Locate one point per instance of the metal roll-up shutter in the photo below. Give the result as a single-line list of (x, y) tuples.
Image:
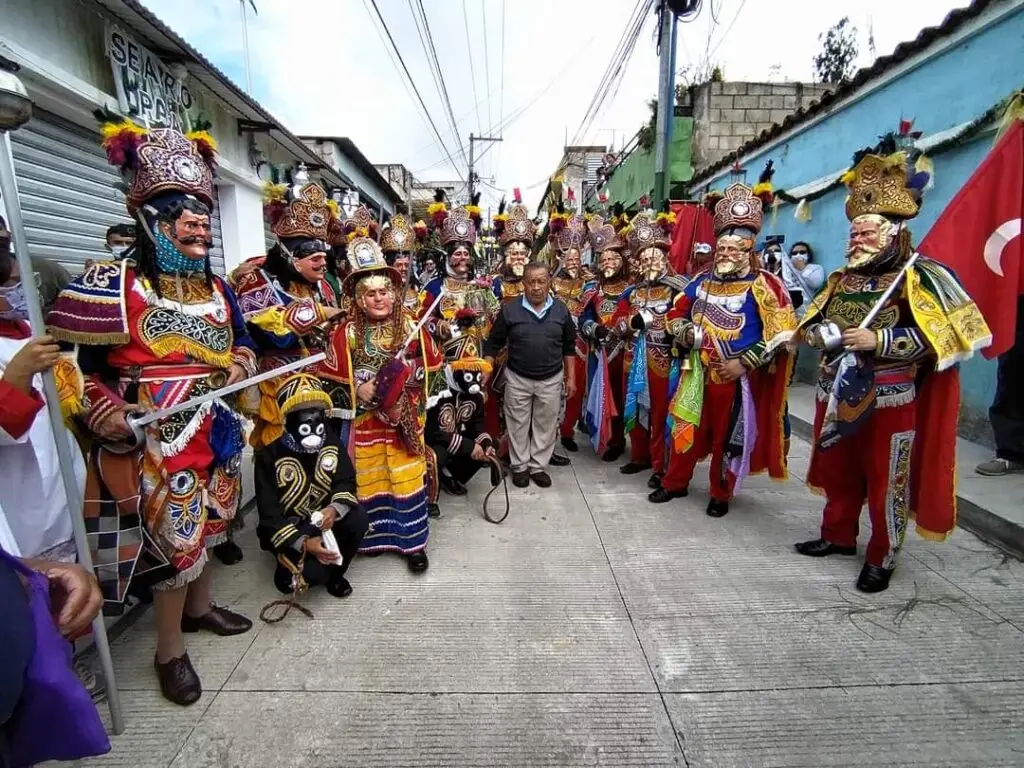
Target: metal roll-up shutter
[(217, 251), (66, 186), (268, 235)]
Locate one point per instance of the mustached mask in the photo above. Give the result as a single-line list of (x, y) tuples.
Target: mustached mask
[(307, 427)]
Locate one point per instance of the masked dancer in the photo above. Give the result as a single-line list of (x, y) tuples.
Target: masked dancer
[(156, 330), (400, 241), (892, 331)]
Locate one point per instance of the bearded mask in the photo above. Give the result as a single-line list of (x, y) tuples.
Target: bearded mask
[(732, 256), (653, 263), (610, 264), (571, 263), (307, 427), (517, 255), (870, 236)]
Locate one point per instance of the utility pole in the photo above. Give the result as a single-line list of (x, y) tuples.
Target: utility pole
[(472, 160), (666, 101)]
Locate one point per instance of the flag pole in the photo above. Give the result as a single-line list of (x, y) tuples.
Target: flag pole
[(61, 436)]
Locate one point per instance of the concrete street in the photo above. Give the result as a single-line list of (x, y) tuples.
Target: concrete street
[(593, 628)]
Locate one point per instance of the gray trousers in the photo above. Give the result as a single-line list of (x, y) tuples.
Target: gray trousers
[(531, 417)]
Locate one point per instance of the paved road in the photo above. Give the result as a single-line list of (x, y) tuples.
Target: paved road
[(595, 629)]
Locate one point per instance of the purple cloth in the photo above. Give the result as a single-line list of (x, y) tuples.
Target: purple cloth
[(54, 719), (739, 466)]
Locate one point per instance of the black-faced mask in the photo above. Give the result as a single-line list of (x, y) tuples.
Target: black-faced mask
[(307, 427), (470, 382)]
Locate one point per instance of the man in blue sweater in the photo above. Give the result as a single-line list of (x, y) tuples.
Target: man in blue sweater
[(541, 337)]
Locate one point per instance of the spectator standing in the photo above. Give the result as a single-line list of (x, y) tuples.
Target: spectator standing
[(541, 339), (51, 277)]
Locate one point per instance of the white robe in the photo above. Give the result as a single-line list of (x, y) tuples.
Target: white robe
[(34, 515)]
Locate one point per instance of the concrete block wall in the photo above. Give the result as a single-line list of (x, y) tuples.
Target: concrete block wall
[(728, 115)]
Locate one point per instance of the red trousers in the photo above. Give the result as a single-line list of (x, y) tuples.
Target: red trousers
[(574, 405), (617, 378), (711, 437), (871, 465), (648, 445)]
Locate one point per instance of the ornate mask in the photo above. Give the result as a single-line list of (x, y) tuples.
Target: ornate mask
[(870, 235), (653, 263), (307, 427), (732, 256), (517, 255), (375, 295), (610, 263), (571, 263)]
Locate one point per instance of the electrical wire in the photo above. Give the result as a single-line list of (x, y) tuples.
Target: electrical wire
[(472, 69), (487, 61), (435, 71), (412, 82), (440, 74), (727, 30)]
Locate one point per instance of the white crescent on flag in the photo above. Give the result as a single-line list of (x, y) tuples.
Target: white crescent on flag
[(997, 241)]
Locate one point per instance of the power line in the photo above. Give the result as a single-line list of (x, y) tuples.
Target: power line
[(412, 82), (472, 69), (501, 90), (727, 30), (440, 75), (487, 61)]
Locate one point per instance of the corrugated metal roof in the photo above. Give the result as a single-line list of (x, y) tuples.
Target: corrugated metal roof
[(925, 38)]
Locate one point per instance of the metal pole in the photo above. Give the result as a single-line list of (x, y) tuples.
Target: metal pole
[(61, 436), (666, 100), (472, 145), (245, 48)]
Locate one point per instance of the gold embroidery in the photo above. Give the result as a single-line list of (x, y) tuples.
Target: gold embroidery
[(850, 313), (193, 289), (778, 320)]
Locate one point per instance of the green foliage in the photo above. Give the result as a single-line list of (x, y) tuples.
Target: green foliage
[(839, 49), (647, 137)]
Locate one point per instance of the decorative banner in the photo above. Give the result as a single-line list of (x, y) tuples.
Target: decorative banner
[(148, 90)]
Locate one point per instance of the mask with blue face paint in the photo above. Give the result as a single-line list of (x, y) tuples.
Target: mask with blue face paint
[(172, 261)]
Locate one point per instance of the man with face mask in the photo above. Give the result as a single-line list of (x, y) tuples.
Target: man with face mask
[(380, 390), (154, 332), (735, 320), (597, 323), (286, 301), (641, 316), (51, 277), (305, 488), (120, 238), (567, 285), (701, 259), (400, 241), (888, 393)]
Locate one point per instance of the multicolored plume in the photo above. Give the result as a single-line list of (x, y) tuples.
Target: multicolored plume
[(473, 209), (764, 189), (666, 218), (437, 210), (122, 138), (499, 219)]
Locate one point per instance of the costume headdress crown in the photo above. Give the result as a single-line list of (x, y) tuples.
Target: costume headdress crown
[(301, 390), (882, 181), (573, 234), (604, 236), (300, 211), (519, 227), (643, 233), (366, 259), (399, 236), (469, 363), (739, 208), (458, 227), (362, 223), (157, 161)]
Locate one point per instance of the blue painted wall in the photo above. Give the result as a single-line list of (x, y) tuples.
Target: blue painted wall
[(946, 91)]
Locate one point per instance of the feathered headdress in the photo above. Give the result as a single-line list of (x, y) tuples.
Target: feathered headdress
[(764, 189), (473, 209), (437, 210), (666, 218), (888, 179), (498, 222), (619, 218), (557, 220), (157, 161)]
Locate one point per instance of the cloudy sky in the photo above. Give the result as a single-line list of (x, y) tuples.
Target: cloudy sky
[(523, 69)]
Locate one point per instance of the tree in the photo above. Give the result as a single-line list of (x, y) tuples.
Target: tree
[(647, 137), (839, 49)]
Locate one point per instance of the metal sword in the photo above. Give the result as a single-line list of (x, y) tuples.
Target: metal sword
[(137, 422)]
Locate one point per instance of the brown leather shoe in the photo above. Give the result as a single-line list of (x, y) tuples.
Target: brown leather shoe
[(218, 620), (179, 682)]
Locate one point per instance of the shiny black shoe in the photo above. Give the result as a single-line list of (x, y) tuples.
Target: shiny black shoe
[(655, 480), (569, 444), (219, 621), (283, 580), (451, 485), (873, 578), (823, 548), (228, 552), (661, 496), (338, 586), (418, 562), (634, 468), (521, 479), (612, 454), (433, 510), (559, 461), (179, 682), (541, 479), (718, 508)]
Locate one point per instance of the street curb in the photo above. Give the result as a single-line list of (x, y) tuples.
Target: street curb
[(987, 526)]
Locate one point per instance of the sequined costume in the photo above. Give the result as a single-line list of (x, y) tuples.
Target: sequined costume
[(597, 324), (286, 313), (156, 331), (642, 313), (384, 435), (886, 419), (742, 314)]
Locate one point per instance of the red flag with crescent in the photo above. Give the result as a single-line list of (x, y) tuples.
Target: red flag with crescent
[(979, 237)]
